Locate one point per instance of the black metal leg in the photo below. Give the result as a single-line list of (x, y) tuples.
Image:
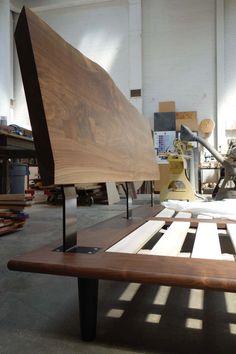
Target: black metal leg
[(69, 217), (129, 201), (88, 297), (152, 193)]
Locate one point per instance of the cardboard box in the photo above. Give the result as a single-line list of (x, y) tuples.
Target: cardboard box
[(168, 106), (187, 118)]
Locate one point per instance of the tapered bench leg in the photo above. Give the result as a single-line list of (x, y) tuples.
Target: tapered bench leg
[(88, 297)]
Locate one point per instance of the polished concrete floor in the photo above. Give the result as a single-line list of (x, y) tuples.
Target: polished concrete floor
[(39, 313)]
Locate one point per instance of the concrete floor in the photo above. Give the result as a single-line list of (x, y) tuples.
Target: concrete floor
[(39, 313)]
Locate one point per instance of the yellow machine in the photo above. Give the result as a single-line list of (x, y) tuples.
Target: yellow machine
[(178, 185)]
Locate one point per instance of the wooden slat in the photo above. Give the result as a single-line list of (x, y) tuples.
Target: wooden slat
[(143, 251), (228, 257), (231, 228), (207, 243), (84, 128), (165, 213), (137, 239), (184, 254), (194, 222), (172, 241), (183, 215)]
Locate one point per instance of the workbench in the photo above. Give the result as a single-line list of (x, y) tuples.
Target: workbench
[(13, 146)]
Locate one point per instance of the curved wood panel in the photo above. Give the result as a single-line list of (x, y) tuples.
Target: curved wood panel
[(85, 130)]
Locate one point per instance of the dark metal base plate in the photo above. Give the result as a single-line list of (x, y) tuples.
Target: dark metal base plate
[(78, 249)]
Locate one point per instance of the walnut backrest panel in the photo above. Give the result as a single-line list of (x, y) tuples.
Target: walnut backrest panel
[(84, 128)]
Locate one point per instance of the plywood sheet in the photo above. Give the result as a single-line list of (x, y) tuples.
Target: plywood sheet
[(84, 129), (187, 118)]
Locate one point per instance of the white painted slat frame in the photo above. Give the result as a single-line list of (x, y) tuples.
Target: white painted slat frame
[(172, 241), (207, 243)]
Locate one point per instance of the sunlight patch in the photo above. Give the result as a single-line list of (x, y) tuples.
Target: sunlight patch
[(162, 295), (153, 318), (193, 323), (115, 313), (129, 292), (196, 299)]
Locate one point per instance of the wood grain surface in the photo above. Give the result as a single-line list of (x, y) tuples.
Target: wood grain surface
[(84, 128), (165, 270)]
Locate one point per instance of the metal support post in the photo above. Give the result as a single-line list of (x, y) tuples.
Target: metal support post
[(152, 193), (69, 217), (69, 196), (129, 201)]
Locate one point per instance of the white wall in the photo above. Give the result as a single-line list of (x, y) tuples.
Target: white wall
[(230, 64), (179, 55), (100, 31), (5, 80), (178, 50)]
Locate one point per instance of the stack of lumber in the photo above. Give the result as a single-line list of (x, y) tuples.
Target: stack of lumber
[(12, 214)]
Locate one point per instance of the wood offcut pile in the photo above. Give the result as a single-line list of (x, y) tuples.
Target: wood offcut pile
[(12, 214)]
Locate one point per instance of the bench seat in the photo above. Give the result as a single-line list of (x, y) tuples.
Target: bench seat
[(142, 268)]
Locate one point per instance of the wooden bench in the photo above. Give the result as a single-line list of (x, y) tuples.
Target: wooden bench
[(85, 131)]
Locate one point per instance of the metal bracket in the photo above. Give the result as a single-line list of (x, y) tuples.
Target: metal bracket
[(69, 217), (69, 197), (78, 249), (152, 193), (129, 200)]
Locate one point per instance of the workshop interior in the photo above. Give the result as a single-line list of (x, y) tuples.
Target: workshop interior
[(118, 176)]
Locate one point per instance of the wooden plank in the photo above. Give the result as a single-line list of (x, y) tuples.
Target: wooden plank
[(165, 213), (172, 241), (187, 118), (184, 254), (112, 193), (228, 257), (137, 239), (143, 251), (183, 215), (221, 223), (207, 243), (12, 197), (231, 228), (84, 129)]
